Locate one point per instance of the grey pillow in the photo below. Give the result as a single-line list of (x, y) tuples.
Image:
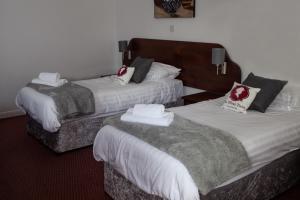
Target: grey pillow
[(269, 90), (141, 68)]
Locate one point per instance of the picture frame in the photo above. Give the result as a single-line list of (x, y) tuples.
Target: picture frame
[(174, 8)]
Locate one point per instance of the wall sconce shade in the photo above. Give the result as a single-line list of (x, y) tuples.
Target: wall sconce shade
[(218, 59), (123, 45), (218, 56)]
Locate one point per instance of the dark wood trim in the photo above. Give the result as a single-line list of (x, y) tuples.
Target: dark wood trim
[(203, 96), (194, 58)]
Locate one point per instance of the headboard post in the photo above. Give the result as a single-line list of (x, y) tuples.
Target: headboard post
[(194, 58)]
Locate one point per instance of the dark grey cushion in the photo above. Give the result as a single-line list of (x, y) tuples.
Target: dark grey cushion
[(269, 90), (141, 68)]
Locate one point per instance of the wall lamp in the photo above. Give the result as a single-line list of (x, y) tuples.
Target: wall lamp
[(218, 59), (123, 47)]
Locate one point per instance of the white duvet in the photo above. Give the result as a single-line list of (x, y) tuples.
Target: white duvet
[(110, 97), (265, 136)]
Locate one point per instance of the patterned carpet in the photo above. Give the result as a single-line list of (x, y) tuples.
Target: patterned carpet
[(30, 171)]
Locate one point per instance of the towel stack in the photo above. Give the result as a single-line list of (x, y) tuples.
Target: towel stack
[(153, 114), (51, 79)]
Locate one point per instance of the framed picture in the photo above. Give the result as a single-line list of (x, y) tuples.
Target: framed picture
[(174, 8)]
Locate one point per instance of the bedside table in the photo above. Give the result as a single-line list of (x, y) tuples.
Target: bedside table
[(202, 96)]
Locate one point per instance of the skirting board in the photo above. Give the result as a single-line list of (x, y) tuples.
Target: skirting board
[(11, 113)]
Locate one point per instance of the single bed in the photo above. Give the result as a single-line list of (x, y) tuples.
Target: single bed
[(110, 98)]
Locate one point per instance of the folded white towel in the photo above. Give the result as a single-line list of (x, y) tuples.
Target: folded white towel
[(56, 84), (149, 110), (49, 77), (166, 120)]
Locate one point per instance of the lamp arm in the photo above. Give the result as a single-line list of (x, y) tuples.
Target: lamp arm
[(224, 68)]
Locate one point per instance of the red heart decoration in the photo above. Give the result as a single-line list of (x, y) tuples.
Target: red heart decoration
[(122, 70), (239, 93)]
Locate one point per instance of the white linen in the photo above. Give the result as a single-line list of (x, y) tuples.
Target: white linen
[(165, 120), (40, 107), (53, 84), (265, 137), (170, 179), (110, 98), (160, 70), (125, 78), (148, 110), (49, 77), (287, 100), (190, 90)]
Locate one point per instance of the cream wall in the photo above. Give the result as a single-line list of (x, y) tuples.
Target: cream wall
[(79, 38), (261, 36), (73, 37)]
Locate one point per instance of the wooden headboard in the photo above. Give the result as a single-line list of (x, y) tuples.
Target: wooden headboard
[(194, 58)]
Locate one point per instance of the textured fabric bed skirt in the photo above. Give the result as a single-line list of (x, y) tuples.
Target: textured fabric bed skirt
[(73, 133), (263, 184)]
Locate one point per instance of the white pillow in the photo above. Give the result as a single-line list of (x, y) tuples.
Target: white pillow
[(159, 71), (287, 100), (169, 68), (124, 74), (173, 76), (240, 98)]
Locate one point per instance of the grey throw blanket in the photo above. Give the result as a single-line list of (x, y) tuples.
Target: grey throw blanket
[(211, 156), (70, 99)]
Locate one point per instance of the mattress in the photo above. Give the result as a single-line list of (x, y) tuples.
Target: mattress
[(265, 137), (110, 98)]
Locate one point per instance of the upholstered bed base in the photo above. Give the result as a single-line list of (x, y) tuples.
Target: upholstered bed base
[(263, 184), (73, 133)]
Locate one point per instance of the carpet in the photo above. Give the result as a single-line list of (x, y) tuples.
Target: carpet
[(31, 171)]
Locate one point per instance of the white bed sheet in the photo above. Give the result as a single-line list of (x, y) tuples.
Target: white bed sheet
[(264, 136), (110, 98)]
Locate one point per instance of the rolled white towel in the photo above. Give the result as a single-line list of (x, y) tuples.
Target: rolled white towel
[(149, 110), (166, 120), (49, 77), (56, 84)]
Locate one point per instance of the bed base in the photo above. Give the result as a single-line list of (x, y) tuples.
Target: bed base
[(73, 133), (263, 184)]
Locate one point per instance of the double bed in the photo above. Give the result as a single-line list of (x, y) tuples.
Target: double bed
[(110, 98), (137, 169), (270, 139)]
